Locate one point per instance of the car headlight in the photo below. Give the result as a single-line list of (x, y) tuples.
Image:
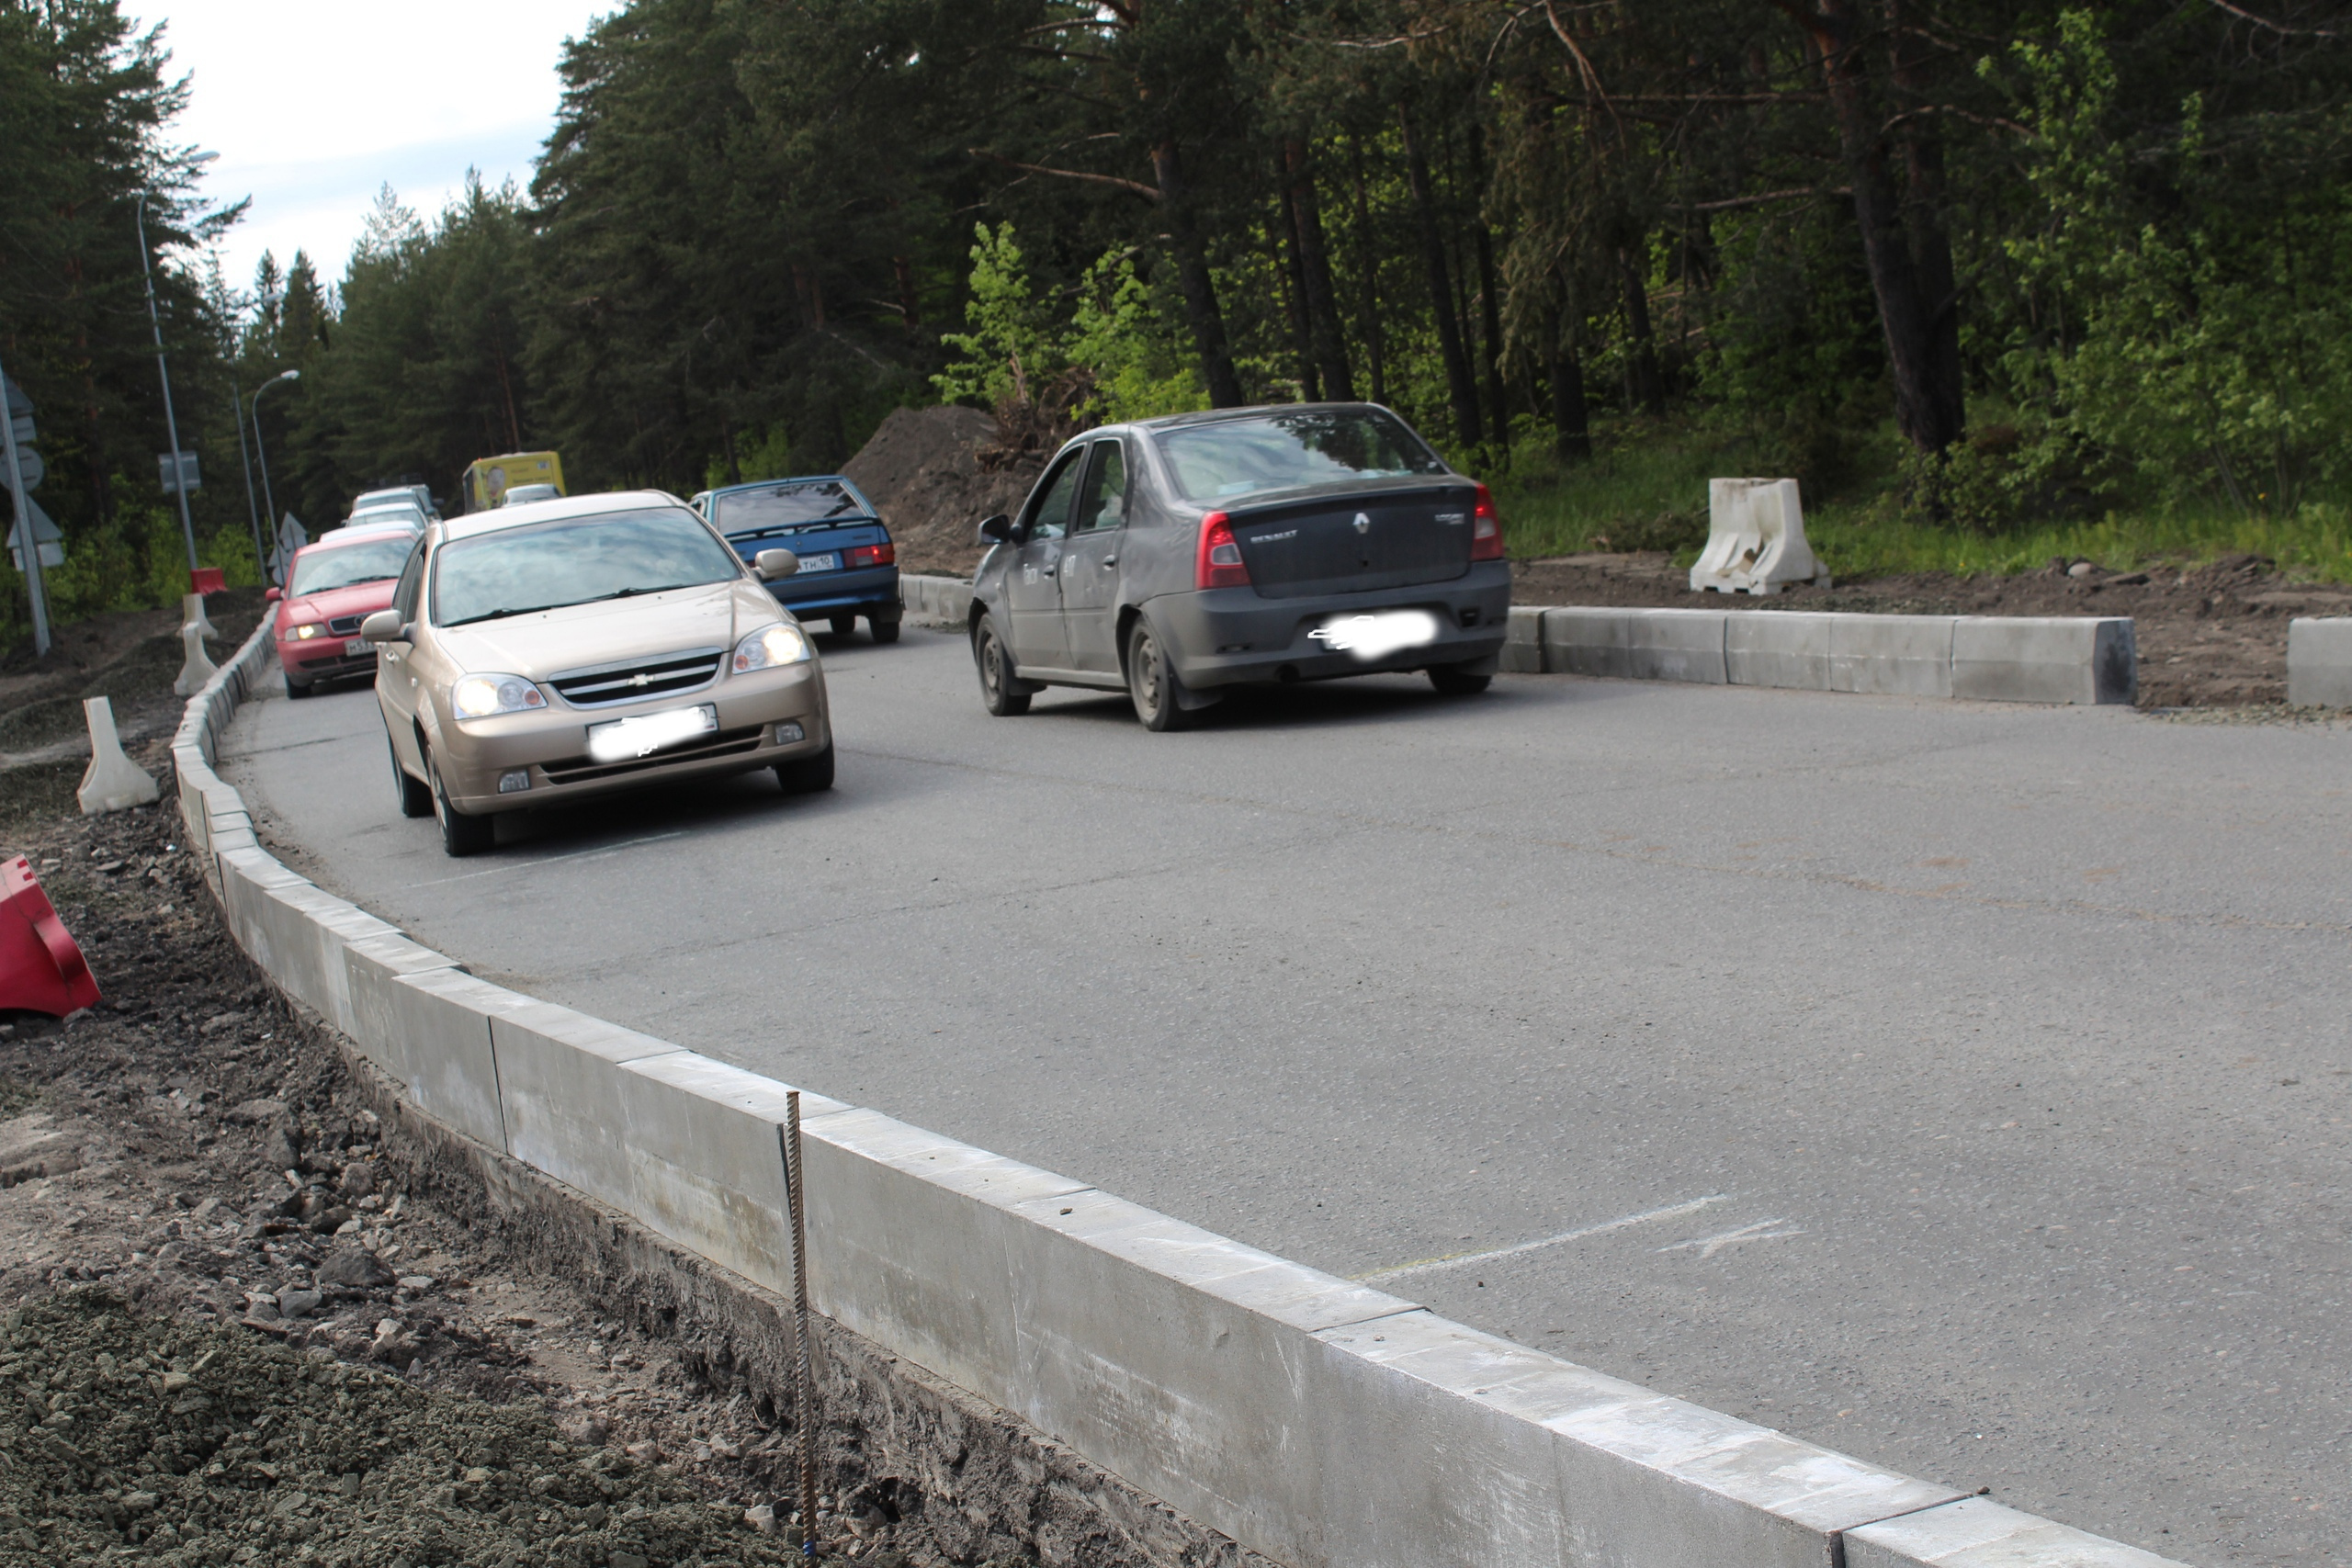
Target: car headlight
[(313, 629), (479, 696), (781, 643)]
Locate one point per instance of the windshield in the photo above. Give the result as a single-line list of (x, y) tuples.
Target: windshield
[(573, 562), (786, 505), (387, 517), (1288, 451), (315, 571)]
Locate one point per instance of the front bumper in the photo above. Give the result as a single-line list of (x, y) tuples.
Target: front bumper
[(308, 660), (551, 744), (873, 590), (1225, 637)]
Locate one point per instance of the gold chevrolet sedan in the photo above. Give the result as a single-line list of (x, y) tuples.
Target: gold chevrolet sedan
[(551, 651)]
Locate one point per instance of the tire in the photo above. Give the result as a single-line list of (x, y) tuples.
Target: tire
[(884, 631), (298, 689), (807, 775), (416, 797), (460, 835), (996, 672), (1152, 684), (843, 626), (1453, 680)]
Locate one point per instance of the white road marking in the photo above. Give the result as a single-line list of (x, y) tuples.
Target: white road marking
[(1671, 1211), (1709, 1245), (548, 860)]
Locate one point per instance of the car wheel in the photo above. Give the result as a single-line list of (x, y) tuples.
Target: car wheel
[(460, 835), (884, 631), (297, 688), (1454, 681), (1152, 684), (843, 626), (416, 798), (807, 775), (996, 673)]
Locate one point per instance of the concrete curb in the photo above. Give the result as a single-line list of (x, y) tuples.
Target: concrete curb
[(1321, 1421), (2318, 661), (936, 601), (2012, 659)]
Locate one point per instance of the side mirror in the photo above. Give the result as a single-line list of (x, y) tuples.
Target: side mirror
[(773, 564), (273, 596), (384, 625), (996, 530)]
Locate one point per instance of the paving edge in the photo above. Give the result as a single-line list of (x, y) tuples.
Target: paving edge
[(1317, 1421)]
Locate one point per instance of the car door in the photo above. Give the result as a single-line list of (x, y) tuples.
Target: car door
[(396, 687), (1033, 594), (1090, 560)]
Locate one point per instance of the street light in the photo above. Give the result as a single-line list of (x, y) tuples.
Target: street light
[(171, 422), (262, 451)]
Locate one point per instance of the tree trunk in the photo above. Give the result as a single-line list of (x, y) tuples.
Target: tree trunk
[(1643, 384), (909, 306), (1315, 269), (1571, 426), (1375, 345), (1490, 309), (1462, 388), (1194, 281), (1930, 242), (1293, 291), (1927, 407)]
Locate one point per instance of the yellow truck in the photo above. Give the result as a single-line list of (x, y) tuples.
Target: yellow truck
[(487, 479)]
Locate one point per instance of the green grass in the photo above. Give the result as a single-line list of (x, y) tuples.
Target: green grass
[(1647, 488)]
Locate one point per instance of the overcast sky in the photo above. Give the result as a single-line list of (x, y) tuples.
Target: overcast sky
[(314, 105)]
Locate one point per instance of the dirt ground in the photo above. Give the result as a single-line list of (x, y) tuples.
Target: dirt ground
[(231, 1336), (933, 474), (2209, 636)]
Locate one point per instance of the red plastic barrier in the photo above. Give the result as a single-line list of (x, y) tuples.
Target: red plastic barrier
[(206, 580), (41, 969)]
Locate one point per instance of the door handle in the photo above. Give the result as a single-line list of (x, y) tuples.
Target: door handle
[(1110, 561), (1046, 570)]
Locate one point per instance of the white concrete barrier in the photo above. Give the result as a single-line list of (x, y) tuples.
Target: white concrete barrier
[(1987, 657), (1756, 541), (2318, 661), (939, 600), (1321, 1421)]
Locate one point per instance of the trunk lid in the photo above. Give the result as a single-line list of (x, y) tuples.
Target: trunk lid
[(1357, 540)]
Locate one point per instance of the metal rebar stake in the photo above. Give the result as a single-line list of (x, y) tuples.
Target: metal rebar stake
[(804, 1374)]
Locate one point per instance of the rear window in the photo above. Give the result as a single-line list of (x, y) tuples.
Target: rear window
[(574, 562), (790, 504), (1291, 451), (317, 571)]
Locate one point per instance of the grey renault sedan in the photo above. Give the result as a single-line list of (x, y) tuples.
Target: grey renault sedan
[(1174, 558)]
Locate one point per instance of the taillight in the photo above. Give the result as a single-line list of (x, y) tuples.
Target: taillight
[(884, 554), (1219, 564), (1487, 529)]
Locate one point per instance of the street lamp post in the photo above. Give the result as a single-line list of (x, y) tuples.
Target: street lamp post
[(244, 457), (261, 448), (171, 422)]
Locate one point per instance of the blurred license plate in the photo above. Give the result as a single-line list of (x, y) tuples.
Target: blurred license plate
[(826, 562), (356, 647), (650, 732), (1379, 635)]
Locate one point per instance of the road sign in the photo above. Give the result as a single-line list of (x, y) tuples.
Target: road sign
[(290, 537), (52, 543), (187, 473), (28, 463)]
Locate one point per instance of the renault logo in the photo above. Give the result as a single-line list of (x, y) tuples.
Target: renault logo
[(1363, 523)]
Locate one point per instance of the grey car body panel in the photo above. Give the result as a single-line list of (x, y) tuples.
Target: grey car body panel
[(1153, 571)]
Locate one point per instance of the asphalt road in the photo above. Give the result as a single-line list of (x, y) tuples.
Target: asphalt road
[(1965, 1086)]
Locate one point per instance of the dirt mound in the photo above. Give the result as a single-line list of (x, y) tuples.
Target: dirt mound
[(2209, 634), (197, 1444), (923, 470)]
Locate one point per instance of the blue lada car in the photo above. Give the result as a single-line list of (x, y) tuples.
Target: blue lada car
[(848, 566)]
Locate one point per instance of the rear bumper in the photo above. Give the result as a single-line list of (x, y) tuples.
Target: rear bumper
[(873, 591), (1224, 636)]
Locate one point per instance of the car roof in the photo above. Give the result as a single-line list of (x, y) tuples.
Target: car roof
[(786, 479), (336, 538), (561, 507), (1216, 416)]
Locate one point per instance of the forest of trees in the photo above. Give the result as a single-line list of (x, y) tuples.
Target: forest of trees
[(2058, 256)]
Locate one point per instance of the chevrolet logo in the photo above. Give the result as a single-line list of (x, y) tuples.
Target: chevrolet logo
[(640, 679)]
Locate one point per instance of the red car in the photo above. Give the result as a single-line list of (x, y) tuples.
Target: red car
[(335, 584)]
